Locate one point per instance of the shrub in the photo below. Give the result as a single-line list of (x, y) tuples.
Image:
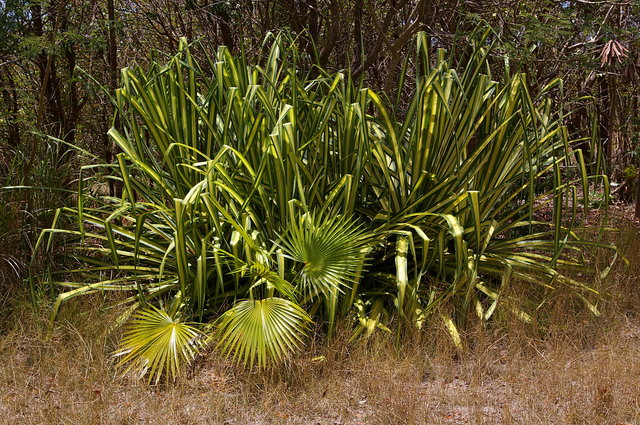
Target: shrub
[(260, 199)]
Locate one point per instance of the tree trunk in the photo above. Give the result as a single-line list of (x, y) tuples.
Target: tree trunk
[(357, 33), (10, 95), (115, 189), (636, 128), (226, 29), (113, 73), (605, 125)]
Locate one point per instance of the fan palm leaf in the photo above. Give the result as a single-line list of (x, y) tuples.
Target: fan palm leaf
[(158, 345), (256, 331), (329, 249)]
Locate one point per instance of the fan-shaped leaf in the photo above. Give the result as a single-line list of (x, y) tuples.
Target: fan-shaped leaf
[(158, 345), (256, 331), (329, 249)]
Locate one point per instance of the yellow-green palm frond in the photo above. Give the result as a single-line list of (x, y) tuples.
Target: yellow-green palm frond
[(158, 345), (258, 331)]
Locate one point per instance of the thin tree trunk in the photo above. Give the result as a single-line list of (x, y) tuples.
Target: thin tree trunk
[(113, 72), (10, 95), (226, 29), (357, 33), (635, 112), (605, 127), (110, 146)]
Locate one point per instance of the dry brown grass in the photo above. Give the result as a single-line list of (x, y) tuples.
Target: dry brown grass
[(575, 369)]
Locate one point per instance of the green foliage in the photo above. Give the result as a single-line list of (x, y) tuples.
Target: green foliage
[(258, 330), (330, 251), (630, 173), (27, 205), (157, 344), (12, 14), (310, 198)]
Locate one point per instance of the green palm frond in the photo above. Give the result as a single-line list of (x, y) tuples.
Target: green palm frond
[(329, 249), (258, 331), (158, 345)]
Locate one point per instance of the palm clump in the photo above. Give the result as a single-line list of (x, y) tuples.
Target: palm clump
[(259, 200)]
